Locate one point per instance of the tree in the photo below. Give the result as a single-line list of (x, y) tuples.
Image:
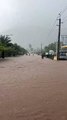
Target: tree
[(9, 49), (5, 40), (51, 46)]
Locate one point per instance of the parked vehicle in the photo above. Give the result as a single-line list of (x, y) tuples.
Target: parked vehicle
[(63, 52)]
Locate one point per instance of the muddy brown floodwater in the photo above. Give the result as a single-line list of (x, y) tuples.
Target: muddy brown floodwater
[(33, 89)]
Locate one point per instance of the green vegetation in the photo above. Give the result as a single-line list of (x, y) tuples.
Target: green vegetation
[(46, 49), (51, 46), (49, 51), (8, 49)]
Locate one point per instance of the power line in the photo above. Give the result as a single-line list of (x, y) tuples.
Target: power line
[(65, 21), (60, 14), (57, 18), (63, 11), (64, 17), (52, 29)]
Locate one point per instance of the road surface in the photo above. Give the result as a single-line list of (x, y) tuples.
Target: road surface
[(33, 89)]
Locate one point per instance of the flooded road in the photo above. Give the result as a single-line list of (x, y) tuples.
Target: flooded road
[(33, 89)]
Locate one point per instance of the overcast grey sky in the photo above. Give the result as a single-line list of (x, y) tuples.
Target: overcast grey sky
[(30, 21)]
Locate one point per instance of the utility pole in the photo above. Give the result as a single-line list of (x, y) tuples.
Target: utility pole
[(59, 31), (41, 48)]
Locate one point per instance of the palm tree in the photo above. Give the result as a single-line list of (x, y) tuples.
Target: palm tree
[(9, 49), (5, 40)]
